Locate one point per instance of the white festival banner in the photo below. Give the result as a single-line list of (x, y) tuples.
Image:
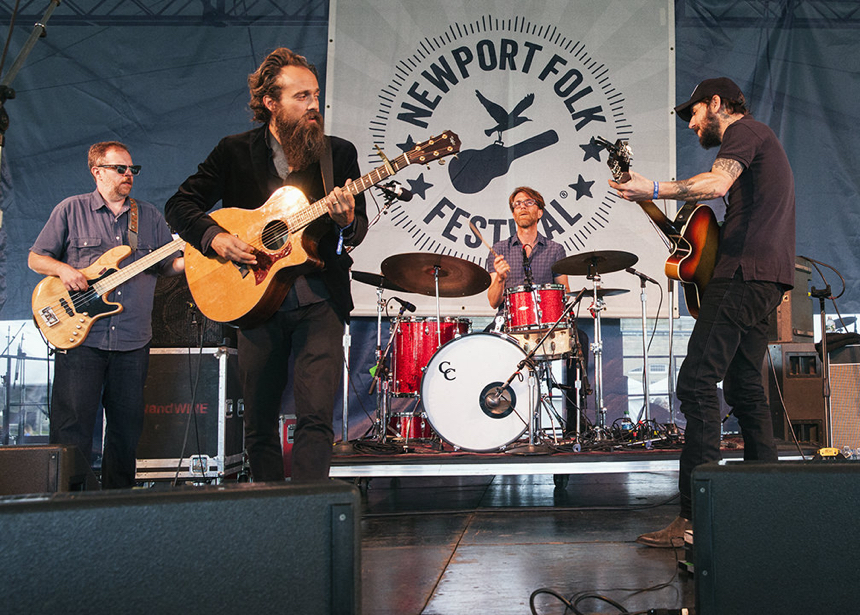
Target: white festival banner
[(527, 86)]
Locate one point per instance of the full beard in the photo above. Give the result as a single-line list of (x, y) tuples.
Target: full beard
[(303, 141), (710, 136)]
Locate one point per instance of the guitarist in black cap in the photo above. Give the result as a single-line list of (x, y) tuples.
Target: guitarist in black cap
[(754, 267)]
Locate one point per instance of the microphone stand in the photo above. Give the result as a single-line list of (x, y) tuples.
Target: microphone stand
[(6, 92), (380, 373), (821, 295), (345, 447), (671, 427), (646, 378)]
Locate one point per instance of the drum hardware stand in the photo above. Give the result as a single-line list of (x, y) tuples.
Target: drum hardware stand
[(646, 376), (345, 447), (600, 430), (380, 373), (533, 448)]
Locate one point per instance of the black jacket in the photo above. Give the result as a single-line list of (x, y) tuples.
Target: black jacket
[(237, 173)]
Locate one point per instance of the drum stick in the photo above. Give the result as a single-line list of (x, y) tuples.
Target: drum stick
[(481, 237)]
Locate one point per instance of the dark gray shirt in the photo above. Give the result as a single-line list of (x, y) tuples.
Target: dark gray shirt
[(82, 228)]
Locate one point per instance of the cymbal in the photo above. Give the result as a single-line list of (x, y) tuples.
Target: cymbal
[(589, 263), (415, 272), (601, 292), (377, 280)]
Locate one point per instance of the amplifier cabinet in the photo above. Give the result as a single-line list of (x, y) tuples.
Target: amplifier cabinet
[(796, 373), (845, 396), (207, 443)]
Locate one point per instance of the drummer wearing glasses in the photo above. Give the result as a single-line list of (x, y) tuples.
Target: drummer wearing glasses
[(525, 259)]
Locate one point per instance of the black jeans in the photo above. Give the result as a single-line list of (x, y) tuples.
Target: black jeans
[(728, 344), (86, 378), (314, 335)]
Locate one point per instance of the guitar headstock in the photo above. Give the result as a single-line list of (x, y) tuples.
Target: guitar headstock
[(446, 144), (620, 157)]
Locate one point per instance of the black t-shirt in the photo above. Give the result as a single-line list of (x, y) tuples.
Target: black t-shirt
[(758, 232)]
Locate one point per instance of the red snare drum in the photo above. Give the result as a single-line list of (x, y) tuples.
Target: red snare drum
[(416, 341), (523, 314), (407, 426)]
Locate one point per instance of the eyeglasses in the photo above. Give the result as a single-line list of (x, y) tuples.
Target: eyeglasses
[(121, 168), (526, 203)]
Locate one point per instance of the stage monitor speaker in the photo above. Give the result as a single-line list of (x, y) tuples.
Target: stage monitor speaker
[(845, 396), (237, 548), (792, 319), (177, 322), (776, 537), (44, 468), (798, 377)]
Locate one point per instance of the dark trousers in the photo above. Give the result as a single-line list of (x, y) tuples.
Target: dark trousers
[(313, 334), (728, 344), (87, 378)]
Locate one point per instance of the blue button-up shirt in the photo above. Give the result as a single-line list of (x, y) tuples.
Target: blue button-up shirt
[(82, 228)]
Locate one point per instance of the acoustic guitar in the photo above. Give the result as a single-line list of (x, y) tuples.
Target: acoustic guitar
[(694, 233), (284, 234), (65, 317)]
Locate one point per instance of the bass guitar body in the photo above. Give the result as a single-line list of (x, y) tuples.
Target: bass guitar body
[(66, 317), (248, 294)]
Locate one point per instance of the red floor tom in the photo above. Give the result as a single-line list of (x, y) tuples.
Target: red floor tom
[(408, 426), (416, 339)]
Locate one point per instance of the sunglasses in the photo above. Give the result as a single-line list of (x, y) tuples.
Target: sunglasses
[(122, 168)]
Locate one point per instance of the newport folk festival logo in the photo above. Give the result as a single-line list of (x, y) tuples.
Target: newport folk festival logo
[(526, 101)]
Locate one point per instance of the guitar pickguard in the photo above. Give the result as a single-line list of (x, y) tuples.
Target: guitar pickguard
[(266, 261)]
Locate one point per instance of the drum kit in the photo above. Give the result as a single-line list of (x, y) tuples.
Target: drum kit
[(481, 391)]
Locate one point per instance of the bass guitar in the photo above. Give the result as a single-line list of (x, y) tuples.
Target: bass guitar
[(694, 234), (65, 317), (284, 236)]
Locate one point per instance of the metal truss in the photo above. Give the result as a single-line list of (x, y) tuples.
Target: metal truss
[(768, 13), (170, 12)]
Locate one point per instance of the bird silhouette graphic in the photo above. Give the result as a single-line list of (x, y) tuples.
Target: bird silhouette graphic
[(504, 120)]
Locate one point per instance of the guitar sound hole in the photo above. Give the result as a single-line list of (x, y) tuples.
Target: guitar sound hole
[(275, 235)]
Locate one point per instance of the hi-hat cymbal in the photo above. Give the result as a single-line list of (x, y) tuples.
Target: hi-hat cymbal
[(601, 292), (416, 271), (377, 280), (589, 263)]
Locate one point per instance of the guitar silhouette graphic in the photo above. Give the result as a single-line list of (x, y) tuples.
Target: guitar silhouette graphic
[(473, 170), (504, 120)]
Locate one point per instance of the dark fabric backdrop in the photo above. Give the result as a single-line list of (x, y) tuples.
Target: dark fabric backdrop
[(169, 80)]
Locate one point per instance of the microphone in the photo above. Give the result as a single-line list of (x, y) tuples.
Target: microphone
[(642, 276), (580, 295), (395, 190), (404, 305)]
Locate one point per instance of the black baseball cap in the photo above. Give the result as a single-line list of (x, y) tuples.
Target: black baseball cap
[(721, 86)]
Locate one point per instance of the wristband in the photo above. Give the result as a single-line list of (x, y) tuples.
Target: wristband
[(656, 190)]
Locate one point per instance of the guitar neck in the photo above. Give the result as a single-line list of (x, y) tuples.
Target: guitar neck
[(666, 226), (103, 287), (320, 208)]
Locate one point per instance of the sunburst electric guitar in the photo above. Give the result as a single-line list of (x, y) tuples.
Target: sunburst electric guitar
[(65, 317), (694, 233), (284, 233)]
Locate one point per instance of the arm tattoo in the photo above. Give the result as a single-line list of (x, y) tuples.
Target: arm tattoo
[(732, 168)]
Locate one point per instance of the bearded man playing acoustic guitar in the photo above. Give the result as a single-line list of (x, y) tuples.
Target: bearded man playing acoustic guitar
[(243, 170), (754, 267)]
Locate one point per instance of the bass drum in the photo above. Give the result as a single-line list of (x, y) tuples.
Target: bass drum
[(462, 396)]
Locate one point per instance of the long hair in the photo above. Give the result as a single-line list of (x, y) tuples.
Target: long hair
[(262, 82)]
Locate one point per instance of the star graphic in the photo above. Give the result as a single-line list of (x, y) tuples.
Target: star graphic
[(408, 145), (582, 187), (419, 186), (592, 150)]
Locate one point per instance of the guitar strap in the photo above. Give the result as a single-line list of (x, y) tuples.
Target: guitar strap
[(326, 167), (132, 224)]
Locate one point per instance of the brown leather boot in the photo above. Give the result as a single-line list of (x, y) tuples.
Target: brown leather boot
[(668, 537)]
